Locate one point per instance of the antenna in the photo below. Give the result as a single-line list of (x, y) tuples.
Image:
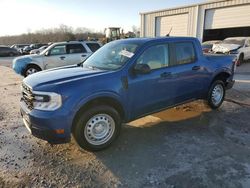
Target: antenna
[(167, 35)]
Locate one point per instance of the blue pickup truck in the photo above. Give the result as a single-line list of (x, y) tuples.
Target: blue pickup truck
[(123, 81)]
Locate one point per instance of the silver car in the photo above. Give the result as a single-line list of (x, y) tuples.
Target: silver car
[(57, 55)]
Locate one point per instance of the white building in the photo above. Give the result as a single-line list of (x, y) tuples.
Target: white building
[(207, 21)]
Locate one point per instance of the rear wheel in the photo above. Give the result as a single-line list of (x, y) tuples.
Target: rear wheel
[(96, 128), (216, 94), (31, 69)]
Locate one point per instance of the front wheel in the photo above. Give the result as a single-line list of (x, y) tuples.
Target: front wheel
[(96, 128), (216, 94), (31, 69)]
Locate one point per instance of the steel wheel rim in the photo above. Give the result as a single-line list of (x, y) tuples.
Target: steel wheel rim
[(99, 129), (31, 71), (217, 94)]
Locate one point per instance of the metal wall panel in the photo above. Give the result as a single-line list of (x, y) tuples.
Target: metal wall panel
[(196, 16), (228, 17), (177, 24)]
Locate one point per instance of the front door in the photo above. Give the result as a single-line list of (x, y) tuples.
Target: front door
[(56, 57), (152, 91)]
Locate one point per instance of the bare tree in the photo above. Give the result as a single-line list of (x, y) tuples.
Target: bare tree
[(61, 33)]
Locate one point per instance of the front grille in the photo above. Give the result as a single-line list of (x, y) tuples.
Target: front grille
[(27, 96)]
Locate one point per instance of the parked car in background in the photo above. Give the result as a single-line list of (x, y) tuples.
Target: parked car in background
[(208, 45), (123, 81), (37, 45), (239, 46), (56, 55), (39, 50), (27, 49), (7, 51), (19, 46)]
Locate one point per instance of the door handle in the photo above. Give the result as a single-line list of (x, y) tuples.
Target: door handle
[(166, 75), (196, 68), (84, 55), (62, 57)]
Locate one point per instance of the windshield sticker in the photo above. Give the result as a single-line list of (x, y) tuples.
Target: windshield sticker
[(126, 53)]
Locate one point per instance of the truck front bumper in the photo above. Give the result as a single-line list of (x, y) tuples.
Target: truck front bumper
[(46, 126)]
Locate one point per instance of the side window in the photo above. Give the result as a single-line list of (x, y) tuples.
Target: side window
[(155, 57), (184, 53), (93, 46), (75, 48), (58, 50)]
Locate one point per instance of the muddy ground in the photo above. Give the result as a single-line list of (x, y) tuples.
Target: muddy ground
[(187, 146)]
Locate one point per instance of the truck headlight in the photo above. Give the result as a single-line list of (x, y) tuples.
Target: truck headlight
[(47, 101)]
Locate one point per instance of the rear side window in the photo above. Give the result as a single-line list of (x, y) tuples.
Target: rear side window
[(184, 53), (93, 46), (75, 48)]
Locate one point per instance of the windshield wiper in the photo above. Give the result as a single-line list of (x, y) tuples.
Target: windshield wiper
[(90, 67)]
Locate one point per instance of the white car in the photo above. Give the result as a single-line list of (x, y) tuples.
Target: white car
[(56, 55), (239, 46), (39, 50)]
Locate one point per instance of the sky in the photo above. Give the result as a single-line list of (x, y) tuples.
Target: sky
[(22, 16)]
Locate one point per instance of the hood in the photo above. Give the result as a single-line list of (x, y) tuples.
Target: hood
[(28, 58), (56, 76), (224, 48)]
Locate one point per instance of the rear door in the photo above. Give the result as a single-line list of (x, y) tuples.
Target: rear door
[(76, 53), (188, 72)]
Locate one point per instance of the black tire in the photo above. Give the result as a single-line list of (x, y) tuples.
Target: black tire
[(80, 128), (31, 67), (11, 54), (211, 101), (241, 60)]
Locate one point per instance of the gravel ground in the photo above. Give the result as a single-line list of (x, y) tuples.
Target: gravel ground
[(187, 146)]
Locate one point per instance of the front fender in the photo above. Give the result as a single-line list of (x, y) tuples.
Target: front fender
[(19, 65), (102, 94)]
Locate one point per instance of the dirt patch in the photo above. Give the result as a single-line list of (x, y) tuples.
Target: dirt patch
[(186, 146)]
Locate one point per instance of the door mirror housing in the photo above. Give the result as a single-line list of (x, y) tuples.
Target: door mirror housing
[(142, 69)]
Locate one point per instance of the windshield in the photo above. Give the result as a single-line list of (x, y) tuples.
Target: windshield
[(112, 56), (240, 42)]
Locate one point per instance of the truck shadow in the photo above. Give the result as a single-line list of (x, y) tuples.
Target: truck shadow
[(187, 146), (149, 154)]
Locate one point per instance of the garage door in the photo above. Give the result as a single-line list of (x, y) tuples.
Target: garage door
[(178, 23), (238, 16)]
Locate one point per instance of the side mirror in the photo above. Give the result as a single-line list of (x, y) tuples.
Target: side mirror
[(142, 69), (46, 53)]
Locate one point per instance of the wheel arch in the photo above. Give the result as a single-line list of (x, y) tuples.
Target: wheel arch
[(223, 75), (101, 100), (30, 65)]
